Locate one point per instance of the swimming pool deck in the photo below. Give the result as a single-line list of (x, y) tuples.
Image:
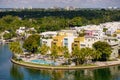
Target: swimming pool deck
[(98, 65)]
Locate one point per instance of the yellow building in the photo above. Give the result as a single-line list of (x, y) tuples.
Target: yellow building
[(118, 31), (77, 42), (58, 41)]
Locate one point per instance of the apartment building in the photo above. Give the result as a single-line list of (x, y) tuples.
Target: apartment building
[(77, 42), (67, 41)]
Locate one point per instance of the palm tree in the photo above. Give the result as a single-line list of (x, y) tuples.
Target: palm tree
[(15, 47), (54, 51), (84, 54), (66, 52), (76, 54), (44, 49)]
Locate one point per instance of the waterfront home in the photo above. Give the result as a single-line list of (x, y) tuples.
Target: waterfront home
[(58, 40), (49, 34), (93, 33), (89, 41), (22, 28), (68, 32), (111, 26), (117, 31), (47, 42), (77, 42), (115, 52), (111, 40), (110, 31), (20, 31), (67, 41), (31, 29), (114, 43), (118, 37)]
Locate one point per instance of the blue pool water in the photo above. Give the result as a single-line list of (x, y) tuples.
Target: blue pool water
[(39, 61)]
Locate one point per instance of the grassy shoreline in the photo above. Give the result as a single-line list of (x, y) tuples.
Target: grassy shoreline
[(38, 66)]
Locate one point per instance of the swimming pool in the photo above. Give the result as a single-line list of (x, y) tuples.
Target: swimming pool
[(39, 61)]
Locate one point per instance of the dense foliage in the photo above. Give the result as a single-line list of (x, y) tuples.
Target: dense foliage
[(54, 19), (83, 55), (103, 49), (16, 47), (57, 20), (32, 43), (7, 36), (10, 35), (43, 49)]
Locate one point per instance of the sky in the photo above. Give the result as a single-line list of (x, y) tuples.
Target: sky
[(59, 3)]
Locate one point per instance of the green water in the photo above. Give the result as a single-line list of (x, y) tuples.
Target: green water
[(9, 71)]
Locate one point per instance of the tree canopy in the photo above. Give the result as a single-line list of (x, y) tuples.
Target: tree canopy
[(43, 49), (84, 54), (16, 47), (55, 20), (103, 49), (32, 43)]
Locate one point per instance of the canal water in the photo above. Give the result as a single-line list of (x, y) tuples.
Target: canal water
[(10, 71)]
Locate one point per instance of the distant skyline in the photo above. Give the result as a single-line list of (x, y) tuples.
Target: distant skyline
[(59, 3)]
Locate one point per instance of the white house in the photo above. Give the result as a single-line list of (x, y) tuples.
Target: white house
[(67, 41), (49, 34), (20, 31), (46, 41), (89, 41)]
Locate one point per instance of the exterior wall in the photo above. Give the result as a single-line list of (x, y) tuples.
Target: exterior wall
[(111, 30), (118, 37), (65, 34), (58, 41), (88, 33), (94, 33), (20, 31), (68, 43), (114, 53), (118, 31), (77, 42), (48, 34), (68, 32), (46, 41), (88, 42)]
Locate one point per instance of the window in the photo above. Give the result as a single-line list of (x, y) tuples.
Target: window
[(65, 39), (66, 44), (76, 41), (83, 45), (55, 40)]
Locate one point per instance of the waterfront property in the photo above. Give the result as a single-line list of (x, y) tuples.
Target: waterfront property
[(11, 71), (77, 42), (73, 47), (67, 41)]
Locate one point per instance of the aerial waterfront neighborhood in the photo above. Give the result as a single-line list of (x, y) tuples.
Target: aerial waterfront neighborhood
[(62, 43), (59, 39), (55, 45), (108, 32)]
